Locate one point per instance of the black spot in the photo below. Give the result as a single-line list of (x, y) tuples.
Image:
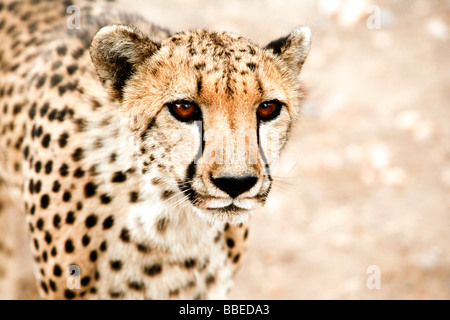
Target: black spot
[(62, 141), (230, 242), (36, 244), (62, 50), (37, 186), (251, 66), (68, 86), (57, 270), (55, 80), (40, 224), (56, 221), (44, 286), (72, 68), (70, 218), (52, 285), (45, 201), (85, 281), (79, 173), (77, 155), (246, 234), (143, 248), (48, 237), (217, 237), (167, 194), (66, 196), (236, 258), (53, 252), (200, 66), (125, 235), (108, 222), (103, 246), (153, 270), (31, 186), (64, 170), (119, 176), (85, 240), (116, 265), (52, 115), (90, 189), (227, 226), (32, 112), (91, 220), (78, 53), (48, 167), (210, 279), (93, 256), (162, 224), (69, 294), (135, 285), (38, 166), (174, 292), (105, 199), (56, 65), (68, 246), (116, 294), (134, 196), (44, 109), (56, 186), (190, 263)]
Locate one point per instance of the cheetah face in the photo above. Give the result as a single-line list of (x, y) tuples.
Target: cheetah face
[(209, 112)]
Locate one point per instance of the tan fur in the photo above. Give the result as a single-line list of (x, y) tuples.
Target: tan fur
[(110, 181)]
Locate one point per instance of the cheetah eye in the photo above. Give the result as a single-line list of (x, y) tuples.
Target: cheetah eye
[(184, 111), (269, 110)]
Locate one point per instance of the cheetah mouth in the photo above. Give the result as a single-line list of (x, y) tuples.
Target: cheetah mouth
[(228, 209)]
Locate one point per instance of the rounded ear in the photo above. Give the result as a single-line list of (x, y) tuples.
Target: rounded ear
[(116, 50), (293, 48)]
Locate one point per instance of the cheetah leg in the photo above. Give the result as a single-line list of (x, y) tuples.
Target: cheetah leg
[(17, 280)]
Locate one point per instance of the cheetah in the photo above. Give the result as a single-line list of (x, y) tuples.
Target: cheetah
[(138, 154)]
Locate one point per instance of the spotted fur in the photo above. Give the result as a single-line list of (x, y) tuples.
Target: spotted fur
[(109, 180)]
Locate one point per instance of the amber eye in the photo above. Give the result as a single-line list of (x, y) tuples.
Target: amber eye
[(185, 110), (269, 110)]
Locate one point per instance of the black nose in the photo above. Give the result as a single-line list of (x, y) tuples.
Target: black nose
[(234, 186)]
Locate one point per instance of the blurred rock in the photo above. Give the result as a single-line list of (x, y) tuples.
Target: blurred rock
[(423, 131), (445, 177), (354, 153), (378, 155), (437, 29), (382, 40), (335, 103), (393, 177), (430, 259), (351, 12), (329, 7), (407, 120)]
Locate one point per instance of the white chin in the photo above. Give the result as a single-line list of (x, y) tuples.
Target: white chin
[(212, 216)]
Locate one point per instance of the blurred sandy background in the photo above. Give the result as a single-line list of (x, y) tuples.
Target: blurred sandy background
[(365, 180)]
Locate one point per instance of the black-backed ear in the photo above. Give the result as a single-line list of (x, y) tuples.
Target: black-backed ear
[(293, 48), (116, 50)]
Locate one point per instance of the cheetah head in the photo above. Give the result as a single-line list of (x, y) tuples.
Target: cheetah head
[(208, 112)]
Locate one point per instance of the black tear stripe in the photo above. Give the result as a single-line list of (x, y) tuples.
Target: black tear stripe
[(186, 185), (263, 156), (202, 145)]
